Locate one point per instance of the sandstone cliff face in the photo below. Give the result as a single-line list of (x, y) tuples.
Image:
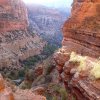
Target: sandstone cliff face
[(82, 31), (81, 34), (13, 15), (16, 43)]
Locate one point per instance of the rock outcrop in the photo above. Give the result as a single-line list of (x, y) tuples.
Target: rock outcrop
[(27, 95), (13, 15), (7, 94), (16, 43), (78, 61), (82, 31), (80, 75)]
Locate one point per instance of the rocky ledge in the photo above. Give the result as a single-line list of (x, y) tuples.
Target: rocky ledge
[(80, 75)]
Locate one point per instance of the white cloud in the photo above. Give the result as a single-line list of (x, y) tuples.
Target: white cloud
[(54, 3)]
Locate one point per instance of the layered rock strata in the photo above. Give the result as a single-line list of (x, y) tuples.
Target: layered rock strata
[(80, 71), (13, 15), (16, 46), (80, 75), (16, 43)]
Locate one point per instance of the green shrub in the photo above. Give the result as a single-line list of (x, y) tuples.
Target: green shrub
[(32, 60), (29, 75), (95, 72), (48, 96), (22, 72), (12, 74), (25, 85), (73, 98), (49, 49), (63, 93), (54, 98), (59, 91)]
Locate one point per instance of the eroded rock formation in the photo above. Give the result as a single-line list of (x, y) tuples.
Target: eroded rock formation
[(7, 94), (16, 43), (13, 15), (80, 71), (82, 31), (80, 75)]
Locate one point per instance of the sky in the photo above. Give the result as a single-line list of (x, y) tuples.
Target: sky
[(51, 3)]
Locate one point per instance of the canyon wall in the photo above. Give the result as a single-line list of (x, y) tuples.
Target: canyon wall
[(78, 60), (47, 22), (16, 43), (13, 15), (82, 31)]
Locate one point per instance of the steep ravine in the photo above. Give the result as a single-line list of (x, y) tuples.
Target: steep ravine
[(74, 71), (47, 22)]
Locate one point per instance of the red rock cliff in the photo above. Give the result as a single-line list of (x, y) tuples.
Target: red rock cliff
[(77, 61), (13, 15), (16, 43), (82, 31)]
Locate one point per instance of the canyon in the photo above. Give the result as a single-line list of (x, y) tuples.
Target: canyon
[(47, 22), (16, 44), (72, 73)]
